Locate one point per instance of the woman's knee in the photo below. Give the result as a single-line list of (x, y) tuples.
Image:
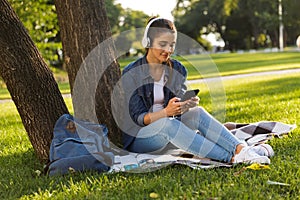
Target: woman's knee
[(167, 122), (200, 109), (195, 112)]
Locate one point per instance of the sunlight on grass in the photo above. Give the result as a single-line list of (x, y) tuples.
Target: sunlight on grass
[(253, 98), (234, 63)]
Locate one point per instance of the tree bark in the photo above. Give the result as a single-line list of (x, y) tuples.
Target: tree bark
[(29, 81), (90, 60)]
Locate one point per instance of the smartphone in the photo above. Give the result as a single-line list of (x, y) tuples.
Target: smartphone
[(189, 94)]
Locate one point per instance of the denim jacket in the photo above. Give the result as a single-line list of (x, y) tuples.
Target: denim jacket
[(138, 88)]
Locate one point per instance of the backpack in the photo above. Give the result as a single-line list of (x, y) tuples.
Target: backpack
[(86, 147)]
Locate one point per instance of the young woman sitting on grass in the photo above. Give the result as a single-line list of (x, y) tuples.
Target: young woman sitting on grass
[(154, 85)]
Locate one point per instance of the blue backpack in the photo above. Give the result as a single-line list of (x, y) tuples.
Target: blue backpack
[(81, 148)]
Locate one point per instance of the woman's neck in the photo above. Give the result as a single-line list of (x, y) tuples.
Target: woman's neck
[(155, 67), (156, 70)]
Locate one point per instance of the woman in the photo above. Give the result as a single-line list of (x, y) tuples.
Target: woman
[(153, 86)]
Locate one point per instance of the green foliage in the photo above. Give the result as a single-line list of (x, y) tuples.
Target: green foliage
[(130, 20), (40, 19), (261, 39), (241, 23), (51, 52), (133, 19), (113, 13), (229, 5), (291, 19)]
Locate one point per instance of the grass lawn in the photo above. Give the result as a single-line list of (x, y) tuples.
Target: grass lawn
[(234, 63), (272, 97), (200, 66)]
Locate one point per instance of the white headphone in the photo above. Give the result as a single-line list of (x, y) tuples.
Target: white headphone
[(146, 40)]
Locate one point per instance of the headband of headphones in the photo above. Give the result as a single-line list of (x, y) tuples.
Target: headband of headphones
[(146, 39)]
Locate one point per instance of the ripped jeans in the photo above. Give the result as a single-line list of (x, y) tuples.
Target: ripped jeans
[(198, 133)]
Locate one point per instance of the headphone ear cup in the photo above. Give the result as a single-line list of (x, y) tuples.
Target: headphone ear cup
[(145, 42), (148, 42)]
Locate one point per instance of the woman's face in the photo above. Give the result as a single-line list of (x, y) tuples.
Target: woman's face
[(162, 47)]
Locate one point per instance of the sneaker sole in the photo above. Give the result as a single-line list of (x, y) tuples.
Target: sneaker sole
[(260, 160)]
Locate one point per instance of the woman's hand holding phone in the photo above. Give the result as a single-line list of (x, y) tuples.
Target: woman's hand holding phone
[(193, 102), (190, 99)]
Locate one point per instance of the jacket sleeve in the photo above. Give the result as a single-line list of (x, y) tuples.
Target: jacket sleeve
[(137, 108), (134, 104)]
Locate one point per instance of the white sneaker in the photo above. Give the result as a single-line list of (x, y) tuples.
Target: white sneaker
[(264, 150), (248, 155)]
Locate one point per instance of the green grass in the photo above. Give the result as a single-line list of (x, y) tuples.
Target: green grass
[(200, 66), (234, 63), (230, 64), (248, 100), (60, 76)]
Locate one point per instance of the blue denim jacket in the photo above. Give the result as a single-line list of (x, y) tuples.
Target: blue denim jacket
[(138, 88)]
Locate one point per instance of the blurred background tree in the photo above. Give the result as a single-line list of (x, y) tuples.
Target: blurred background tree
[(240, 25), (40, 20)]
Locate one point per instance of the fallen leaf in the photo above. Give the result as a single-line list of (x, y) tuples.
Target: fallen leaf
[(256, 166), (154, 195)]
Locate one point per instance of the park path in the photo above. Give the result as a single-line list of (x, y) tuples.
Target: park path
[(278, 72)]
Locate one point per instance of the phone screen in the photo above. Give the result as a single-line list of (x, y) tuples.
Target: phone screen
[(189, 94)]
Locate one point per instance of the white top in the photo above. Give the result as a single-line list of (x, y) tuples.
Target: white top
[(159, 93)]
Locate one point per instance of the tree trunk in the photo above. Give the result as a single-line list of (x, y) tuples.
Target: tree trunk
[(90, 60), (29, 81)]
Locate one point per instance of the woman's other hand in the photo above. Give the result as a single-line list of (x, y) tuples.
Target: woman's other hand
[(174, 107)]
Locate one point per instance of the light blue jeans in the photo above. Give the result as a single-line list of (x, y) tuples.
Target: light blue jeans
[(198, 133)]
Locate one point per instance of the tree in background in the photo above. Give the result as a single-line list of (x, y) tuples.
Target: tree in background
[(291, 16), (39, 18), (29, 81), (243, 24), (84, 26), (131, 20), (114, 12)]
